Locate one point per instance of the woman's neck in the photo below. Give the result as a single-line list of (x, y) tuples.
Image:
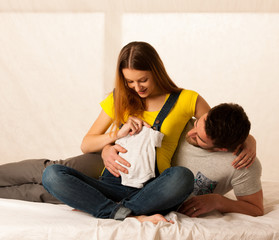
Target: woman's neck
[(155, 103)]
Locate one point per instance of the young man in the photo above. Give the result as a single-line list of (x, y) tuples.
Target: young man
[(212, 167), (207, 152)]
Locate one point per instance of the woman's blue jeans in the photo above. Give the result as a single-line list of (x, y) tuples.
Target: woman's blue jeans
[(108, 198)]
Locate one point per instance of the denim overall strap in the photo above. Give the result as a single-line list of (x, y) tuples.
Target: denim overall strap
[(165, 110), (161, 117)]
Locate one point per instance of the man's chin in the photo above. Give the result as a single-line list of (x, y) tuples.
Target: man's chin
[(191, 141)]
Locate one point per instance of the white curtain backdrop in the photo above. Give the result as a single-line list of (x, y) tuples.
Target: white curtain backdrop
[(58, 58)]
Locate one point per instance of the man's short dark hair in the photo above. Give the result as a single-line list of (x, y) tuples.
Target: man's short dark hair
[(227, 125)]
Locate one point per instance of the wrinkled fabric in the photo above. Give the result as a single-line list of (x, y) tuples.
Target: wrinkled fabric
[(42, 221)]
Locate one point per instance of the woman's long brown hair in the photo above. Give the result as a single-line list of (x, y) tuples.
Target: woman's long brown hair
[(138, 56)]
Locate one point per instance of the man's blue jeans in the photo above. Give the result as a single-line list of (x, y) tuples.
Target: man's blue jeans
[(108, 198)]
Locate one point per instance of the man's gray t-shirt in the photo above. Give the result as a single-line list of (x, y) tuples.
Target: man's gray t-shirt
[(214, 172)]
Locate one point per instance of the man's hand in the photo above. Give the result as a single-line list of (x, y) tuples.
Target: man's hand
[(110, 155), (250, 204), (247, 155), (199, 205)]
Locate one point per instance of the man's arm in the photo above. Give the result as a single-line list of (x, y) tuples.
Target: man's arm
[(249, 204)]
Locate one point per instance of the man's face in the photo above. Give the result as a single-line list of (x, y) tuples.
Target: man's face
[(197, 135)]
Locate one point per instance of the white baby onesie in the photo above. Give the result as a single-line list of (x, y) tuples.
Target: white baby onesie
[(141, 154)]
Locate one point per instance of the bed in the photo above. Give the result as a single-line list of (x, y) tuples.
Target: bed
[(40, 221), (41, 54)]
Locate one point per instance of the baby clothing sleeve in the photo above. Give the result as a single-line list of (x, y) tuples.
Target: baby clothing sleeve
[(157, 138)]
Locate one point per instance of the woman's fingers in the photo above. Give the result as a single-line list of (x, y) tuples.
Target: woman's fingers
[(116, 174), (110, 156), (137, 124)]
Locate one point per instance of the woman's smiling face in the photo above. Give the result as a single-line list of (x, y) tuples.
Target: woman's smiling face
[(141, 82)]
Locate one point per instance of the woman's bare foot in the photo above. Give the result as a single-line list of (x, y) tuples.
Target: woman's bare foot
[(153, 218), (76, 210)]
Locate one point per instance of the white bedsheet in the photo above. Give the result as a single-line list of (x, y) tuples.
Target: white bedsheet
[(20, 220)]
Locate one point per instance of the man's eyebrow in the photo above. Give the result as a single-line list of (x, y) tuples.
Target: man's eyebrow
[(196, 122), (198, 134), (201, 139)]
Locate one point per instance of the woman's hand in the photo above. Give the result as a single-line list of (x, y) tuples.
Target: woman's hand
[(156, 218), (132, 126), (247, 155), (110, 156)]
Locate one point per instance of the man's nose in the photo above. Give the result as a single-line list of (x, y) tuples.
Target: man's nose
[(192, 133)]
